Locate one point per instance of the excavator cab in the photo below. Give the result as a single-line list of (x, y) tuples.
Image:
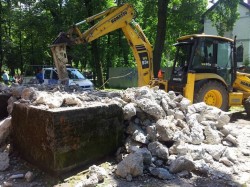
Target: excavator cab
[(207, 54), (202, 61)]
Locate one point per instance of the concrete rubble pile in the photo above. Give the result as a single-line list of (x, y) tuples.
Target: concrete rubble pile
[(5, 128), (166, 136)]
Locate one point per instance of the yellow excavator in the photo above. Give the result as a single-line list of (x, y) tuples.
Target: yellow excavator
[(204, 70)]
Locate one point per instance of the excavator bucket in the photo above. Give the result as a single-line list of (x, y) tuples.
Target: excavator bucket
[(62, 38)]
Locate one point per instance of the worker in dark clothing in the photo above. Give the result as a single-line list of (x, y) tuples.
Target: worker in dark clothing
[(39, 76)]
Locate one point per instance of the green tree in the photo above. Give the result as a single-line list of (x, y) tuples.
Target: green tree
[(224, 15), (7, 46), (28, 27), (191, 11)]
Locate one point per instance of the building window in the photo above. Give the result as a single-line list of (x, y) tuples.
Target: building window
[(240, 50)]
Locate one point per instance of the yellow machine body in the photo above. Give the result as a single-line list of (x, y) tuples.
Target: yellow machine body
[(202, 84)]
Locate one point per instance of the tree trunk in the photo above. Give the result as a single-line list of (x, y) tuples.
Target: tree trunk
[(97, 62), (160, 36), (95, 51), (21, 52), (119, 2), (108, 59), (1, 34)]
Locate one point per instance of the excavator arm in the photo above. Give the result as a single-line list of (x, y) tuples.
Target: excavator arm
[(114, 18)]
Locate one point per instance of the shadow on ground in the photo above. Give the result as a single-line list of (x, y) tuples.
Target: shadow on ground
[(239, 115)]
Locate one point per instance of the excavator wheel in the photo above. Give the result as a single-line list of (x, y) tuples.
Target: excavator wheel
[(212, 93), (247, 106)]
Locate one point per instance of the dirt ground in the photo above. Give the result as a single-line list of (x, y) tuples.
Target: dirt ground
[(239, 121)]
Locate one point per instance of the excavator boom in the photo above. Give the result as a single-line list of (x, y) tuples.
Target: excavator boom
[(204, 69), (114, 18)]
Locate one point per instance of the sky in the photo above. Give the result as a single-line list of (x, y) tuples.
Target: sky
[(210, 4)]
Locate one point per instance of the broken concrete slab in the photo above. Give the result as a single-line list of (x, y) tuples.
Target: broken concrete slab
[(5, 130), (4, 161), (151, 115), (131, 165)]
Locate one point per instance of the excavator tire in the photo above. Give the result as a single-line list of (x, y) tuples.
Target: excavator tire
[(212, 93), (247, 106)]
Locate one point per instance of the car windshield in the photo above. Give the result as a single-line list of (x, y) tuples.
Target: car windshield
[(75, 74)]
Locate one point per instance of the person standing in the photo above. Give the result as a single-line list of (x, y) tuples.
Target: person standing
[(39, 76), (5, 77), (18, 79)]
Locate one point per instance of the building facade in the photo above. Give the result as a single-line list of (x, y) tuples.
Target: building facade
[(241, 30)]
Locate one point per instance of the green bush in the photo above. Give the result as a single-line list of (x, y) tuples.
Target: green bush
[(246, 62)]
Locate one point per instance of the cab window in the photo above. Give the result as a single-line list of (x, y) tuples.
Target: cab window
[(224, 61), (182, 55), (204, 54), (224, 55)]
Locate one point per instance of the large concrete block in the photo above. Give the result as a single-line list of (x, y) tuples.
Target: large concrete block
[(66, 138), (3, 105)]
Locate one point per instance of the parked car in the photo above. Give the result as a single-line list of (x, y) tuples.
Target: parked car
[(50, 76)]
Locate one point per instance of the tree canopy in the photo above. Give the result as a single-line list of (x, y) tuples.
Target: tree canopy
[(224, 15), (28, 27)]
